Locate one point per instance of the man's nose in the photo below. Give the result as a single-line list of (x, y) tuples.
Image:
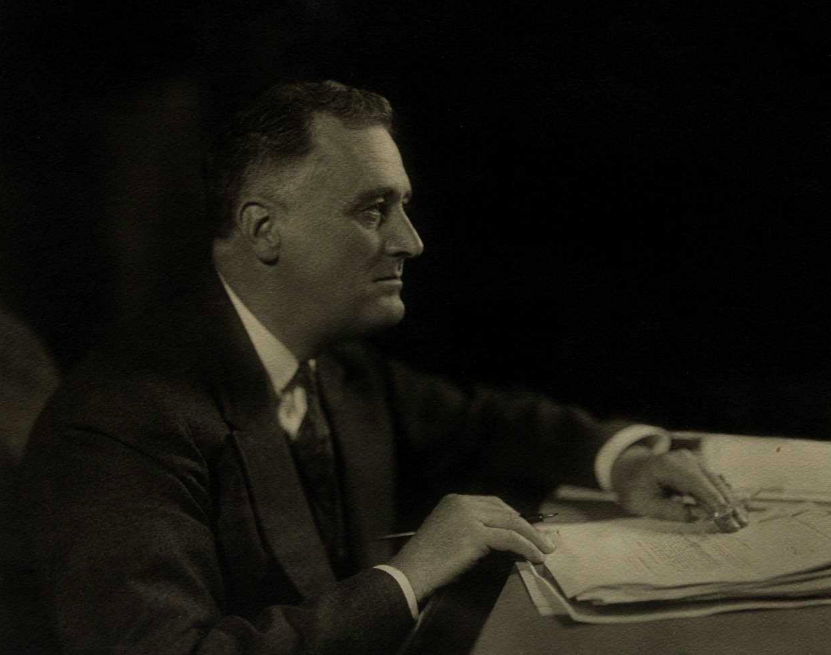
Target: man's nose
[(403, 239)]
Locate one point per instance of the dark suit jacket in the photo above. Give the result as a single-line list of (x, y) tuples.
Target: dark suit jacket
[(169, 517), (27, 378)]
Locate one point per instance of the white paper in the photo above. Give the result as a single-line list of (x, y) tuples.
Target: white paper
[(553, 599), (791, 468), (660, 554)]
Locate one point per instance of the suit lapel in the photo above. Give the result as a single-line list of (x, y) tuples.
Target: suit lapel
[(281, 507), (354, 407), (249, 407)]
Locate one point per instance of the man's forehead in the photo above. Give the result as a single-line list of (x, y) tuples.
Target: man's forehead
[(331, 137), (358, 155)]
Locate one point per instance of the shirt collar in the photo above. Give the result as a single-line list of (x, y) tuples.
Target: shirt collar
[(278, 360)]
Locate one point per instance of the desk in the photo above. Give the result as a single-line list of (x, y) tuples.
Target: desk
[(514, 627)]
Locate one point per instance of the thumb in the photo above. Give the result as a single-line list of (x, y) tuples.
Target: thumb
[(668, 509)]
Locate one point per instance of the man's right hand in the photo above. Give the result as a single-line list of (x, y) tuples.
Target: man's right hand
[(460, 531)]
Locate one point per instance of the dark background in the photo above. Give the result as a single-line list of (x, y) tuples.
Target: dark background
[(623, 203)]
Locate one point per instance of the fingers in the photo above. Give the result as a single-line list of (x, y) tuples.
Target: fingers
[(497, 503), (511, 541), (685, 472), (507, 530), (660, 507), (716, 495), (732, 515), (520, 527), (458, 533)]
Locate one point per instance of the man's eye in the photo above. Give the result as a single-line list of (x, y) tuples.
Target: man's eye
[(374, 216)]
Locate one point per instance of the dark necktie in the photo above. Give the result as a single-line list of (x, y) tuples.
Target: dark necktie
[(314, 453)]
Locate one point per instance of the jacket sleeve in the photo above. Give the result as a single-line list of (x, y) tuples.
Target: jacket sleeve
[(123, 540), (493, 439)]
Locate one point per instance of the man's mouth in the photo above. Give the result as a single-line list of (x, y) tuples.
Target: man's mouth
[(393, 275)]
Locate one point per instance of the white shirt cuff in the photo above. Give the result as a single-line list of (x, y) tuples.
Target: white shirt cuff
[(611, 450), (405, 585)]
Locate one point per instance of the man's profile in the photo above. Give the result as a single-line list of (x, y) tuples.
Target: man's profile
[(215, 477)]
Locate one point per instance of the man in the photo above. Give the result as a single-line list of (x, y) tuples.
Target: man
[(216, 478)]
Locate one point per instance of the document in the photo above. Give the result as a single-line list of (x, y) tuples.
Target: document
[(550, 600), (637, 567), (771, 467), (653, 553)]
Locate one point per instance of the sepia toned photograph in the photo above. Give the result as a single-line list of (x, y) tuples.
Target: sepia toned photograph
[(420, 328)]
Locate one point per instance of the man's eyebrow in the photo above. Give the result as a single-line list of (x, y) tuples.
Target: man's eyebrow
[(377, 192)]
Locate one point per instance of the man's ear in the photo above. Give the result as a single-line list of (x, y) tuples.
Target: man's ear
[(258, 222)]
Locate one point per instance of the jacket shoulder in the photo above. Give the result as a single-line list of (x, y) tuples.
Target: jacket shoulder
[(149, 385)]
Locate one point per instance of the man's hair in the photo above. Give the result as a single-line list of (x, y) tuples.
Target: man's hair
[(275, 130)]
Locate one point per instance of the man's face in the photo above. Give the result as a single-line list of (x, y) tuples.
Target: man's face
[(346, 234)]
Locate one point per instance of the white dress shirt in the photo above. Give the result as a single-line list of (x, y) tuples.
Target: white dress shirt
[(281, 365)]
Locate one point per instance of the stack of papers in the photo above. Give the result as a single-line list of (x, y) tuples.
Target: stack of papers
[(771, 468), (636, 569)]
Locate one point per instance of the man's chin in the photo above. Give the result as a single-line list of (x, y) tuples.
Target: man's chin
[(382, 316), (392, 314), (373, 317)]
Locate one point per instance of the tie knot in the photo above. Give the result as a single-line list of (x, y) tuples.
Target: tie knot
[(295, 399), (303, 377)]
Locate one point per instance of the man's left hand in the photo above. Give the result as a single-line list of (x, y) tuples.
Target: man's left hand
[(651, 485)]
